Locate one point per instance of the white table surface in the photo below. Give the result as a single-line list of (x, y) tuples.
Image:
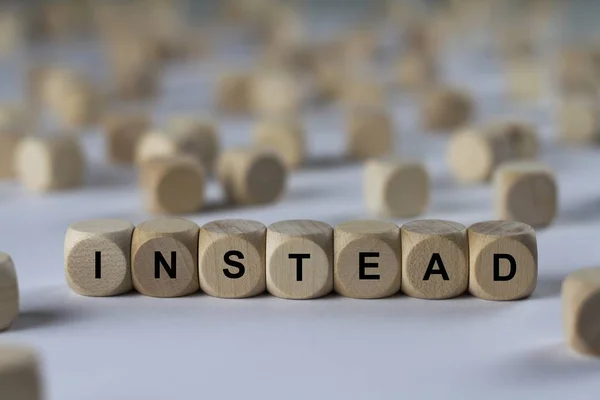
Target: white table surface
[(135, 347)]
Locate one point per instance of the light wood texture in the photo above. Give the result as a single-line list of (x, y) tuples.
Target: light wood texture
[(367, 259), (577, 72), (371, 133), (396, 188), (276, 93), (579, 120), (474, 154), (167, 248), (526, 79), (123, 131), (8, 146), (14, 124), (522, 136), (580, 309), (252, 175), (9, 292), (502, 260), (284, 136), (360, 92), (435, 261), (173, 184), (98, 257), (233, 93), (526, 192), (292, 277), (416, 71), (50, 163), (20, 375), (231, 257), (446, 109)]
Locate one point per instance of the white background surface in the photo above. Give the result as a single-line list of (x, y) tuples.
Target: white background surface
[(134, 347)]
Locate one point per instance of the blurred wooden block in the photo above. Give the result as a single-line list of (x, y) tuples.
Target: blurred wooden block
[(252, 175), (371, 134), (284, 136), (416, 71), (525, 79), (233, 93), (299, 259), (526, 192), (474, 154), (50, 163), (14, 124), (523, 138), (446, 109), (502, 260), (9, 292), (578, 72), (189, 136), (12, 31), (581, 305), (123, 132), (359, 93), (136, 83), (97, 257), (173, 184), (579, 120), (435, 262), (164, 257), (395, 188), (367, 259), (20, 375), (232, 258), (277, 93)]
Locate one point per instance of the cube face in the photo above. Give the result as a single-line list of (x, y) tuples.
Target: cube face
[(370, 134), (503, 260), (434, 259), (9, 292), (286, 138), (123, 133), (299, 259), (367, 259), (579, 123), (231, 257), (19, 373)]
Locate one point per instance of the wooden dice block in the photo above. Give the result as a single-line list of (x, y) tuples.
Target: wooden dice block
[(8, 146), (502, 260), (577, 72), (232, 258), (164, 257), (81, 105), (525, 79), (299, 259), (525, 192), (20, 373), (579, 120), (523, 138), (196, 137), (136, 83), (50, 163), (446, 109), (415, 71), (233, 93), (581, 305), (252, 175), (435, 262), (367, 259), (173, 185), (474, 154), (363, 93), (98, 257), (14, 125), (371, 133), (276, 93), (123, 132), (9, 292), (284, 136), (395, 188)]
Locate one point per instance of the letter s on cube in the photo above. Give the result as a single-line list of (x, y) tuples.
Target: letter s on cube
[(503, 260)]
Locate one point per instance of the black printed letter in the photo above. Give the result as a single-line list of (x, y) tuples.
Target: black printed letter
[(362, 265), (160, 260), (299, 258), (513, 267), (236, 264), (435, 258)]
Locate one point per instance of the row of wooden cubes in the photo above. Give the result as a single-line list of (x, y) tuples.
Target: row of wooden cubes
[(302, 259)]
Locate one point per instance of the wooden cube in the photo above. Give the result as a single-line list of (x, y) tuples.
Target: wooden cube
[(299, 259), (14, 124), (123, 132), (523, 138), (395, 188), (446, 109), (50, 163), (577, 72), (371, 133), (136, 83), (360, 92), (367, 259), (232, 258), (525, 192), (580, 308), (474, 154), (579, 120), (98, 257), (284, 136), (173, 184), (276, 93), (252, 175), (233, 93), (525, 79), (164, 257), (416, 71), (502, 260), (9, 292), (20, 375), (435, 261)]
